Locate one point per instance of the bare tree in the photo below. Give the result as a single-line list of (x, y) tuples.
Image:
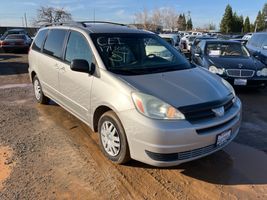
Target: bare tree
[(165, 17), (209, 26), (51, 15), (157, 17), (143, 18), (170, 17)]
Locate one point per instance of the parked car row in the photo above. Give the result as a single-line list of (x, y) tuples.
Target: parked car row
[(228, 57)]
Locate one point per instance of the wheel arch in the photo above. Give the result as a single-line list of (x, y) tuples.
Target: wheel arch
[(99, 111)]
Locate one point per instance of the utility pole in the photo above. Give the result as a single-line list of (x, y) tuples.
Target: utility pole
[(22, 20), (25, 17)]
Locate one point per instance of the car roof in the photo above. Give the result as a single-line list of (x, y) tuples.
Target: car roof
[(15, 34), (205, 38), (111, 28), (260, 33), (16, 30), (221, 41), (168, 35), (102, 28)]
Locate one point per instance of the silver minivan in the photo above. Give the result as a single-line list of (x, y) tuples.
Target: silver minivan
[(146, 101)]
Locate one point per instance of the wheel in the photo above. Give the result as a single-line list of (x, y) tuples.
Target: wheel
[(39, 95), (112, 138)]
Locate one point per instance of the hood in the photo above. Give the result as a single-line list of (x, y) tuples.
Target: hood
[(235, 62), (181, 88)]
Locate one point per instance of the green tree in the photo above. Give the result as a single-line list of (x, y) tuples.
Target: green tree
[(247, 25), (264, 13), (260, 22), (189, 24), (252, 27), (184, 22), (237, 23), (181, 23), (227, 20)]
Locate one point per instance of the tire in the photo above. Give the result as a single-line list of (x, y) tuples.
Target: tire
[(38, 93), (112, 138)]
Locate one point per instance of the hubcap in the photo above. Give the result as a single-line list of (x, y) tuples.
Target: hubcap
[(37, 89), (110, 138)]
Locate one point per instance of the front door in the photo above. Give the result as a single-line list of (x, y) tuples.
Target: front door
[(75, 87)]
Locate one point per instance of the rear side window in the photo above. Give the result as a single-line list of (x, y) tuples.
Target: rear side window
[(78, 48), (54, 42), (39, 40)]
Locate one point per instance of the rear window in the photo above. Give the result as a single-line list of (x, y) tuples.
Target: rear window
[(54, 43), (39, 40), (21, 37)]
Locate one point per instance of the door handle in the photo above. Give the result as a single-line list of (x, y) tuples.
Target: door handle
[(62, 68), (56, 66)]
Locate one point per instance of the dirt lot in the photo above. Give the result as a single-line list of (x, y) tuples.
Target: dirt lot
[(46, 153)]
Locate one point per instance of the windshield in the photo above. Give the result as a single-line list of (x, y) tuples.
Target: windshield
[(135, 54), (22, 37), (226, 49), (191, 39)]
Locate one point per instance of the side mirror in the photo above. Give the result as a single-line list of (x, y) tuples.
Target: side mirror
[(80, 65), (255, 54)]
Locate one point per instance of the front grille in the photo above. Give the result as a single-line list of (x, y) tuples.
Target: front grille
[(203, 111), (244, 73), (214, 128)]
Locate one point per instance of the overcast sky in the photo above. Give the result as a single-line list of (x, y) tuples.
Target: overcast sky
[(202, 11)]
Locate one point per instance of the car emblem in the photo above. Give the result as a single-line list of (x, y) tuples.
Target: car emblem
[(219, 112), (240, 65)]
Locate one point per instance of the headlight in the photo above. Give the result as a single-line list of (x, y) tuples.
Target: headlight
[(230, 87), (153, 107), (216, 70), (262, 72)]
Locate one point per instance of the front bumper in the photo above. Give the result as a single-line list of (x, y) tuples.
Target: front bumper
[(14, 47), (169, 143), (251, 82)]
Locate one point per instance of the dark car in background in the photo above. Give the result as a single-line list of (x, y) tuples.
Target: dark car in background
[(232, 61), (14, 31), (257, 45), (15, 42), (198, 40)]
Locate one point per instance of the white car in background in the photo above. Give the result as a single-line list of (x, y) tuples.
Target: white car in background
[(186, 42), (197, 33), (247, 36), (173, 39)]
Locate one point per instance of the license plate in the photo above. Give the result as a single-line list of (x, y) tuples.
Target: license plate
[(240, 82), (223, 138), (12, 43)]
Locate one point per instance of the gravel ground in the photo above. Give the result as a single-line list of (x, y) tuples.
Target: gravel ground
[(46, 153)]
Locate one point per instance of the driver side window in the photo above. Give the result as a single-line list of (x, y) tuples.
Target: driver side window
[(78, 48), (153, 47)]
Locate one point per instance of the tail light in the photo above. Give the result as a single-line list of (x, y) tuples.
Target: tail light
[(5, 43)]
